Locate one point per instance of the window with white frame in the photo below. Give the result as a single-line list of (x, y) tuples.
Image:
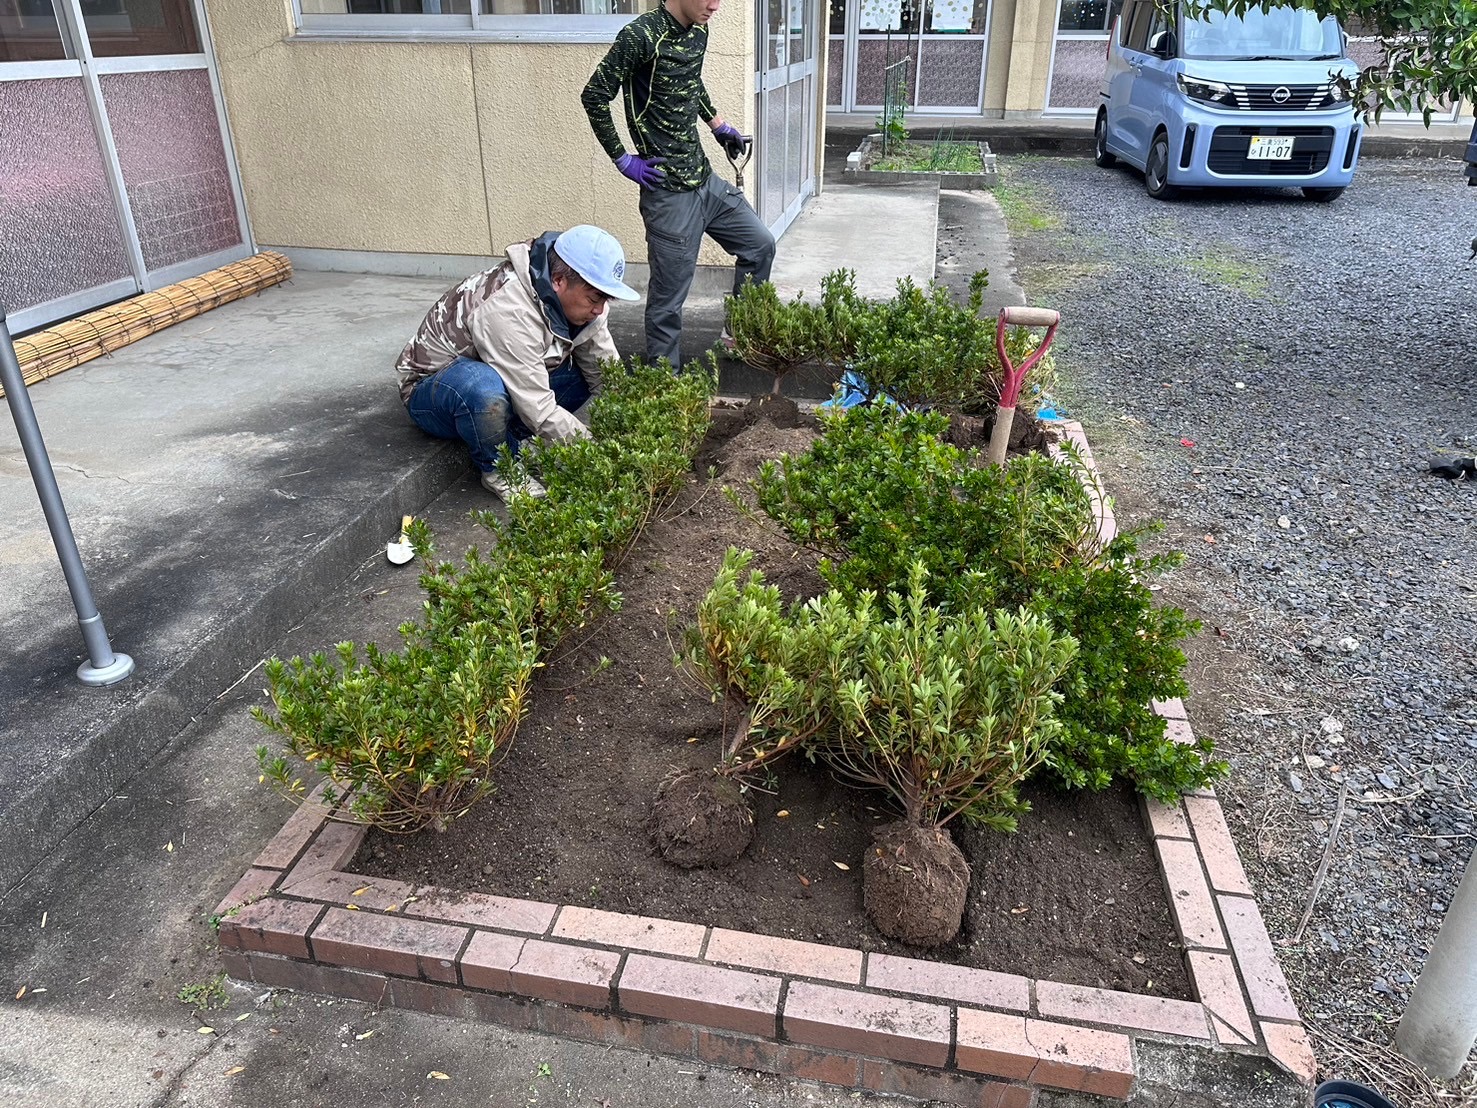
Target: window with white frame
[(589, 20)]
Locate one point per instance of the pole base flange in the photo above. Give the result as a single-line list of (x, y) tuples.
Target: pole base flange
[(97, 676)]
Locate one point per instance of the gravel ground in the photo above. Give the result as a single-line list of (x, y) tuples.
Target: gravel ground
[(1270, 377)]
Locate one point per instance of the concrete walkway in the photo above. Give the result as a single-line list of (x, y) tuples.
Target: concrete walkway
[(232, 482)]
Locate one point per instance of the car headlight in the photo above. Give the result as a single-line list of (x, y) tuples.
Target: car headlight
[(1208, 92)]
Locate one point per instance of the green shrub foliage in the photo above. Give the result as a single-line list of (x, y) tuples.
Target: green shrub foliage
[(774, 671), (919, 347), (412, 735), (946, 713), (880, 491)]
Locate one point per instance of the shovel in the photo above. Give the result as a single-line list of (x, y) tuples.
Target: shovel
[(1010, 387), (400, 551), (741, 161)]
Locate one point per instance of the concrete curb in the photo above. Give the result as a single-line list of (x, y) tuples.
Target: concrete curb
[(879, 1022), (39, 812)]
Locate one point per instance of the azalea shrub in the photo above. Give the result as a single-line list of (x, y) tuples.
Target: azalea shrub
[(880, 490), (410, 736)]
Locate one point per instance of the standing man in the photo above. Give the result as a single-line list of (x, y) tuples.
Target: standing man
[(515, 351), (657, 62)]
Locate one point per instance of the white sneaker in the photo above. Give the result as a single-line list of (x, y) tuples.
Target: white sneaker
[(523, 485)]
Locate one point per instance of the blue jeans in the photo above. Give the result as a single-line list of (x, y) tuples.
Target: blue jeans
[(468, 400)]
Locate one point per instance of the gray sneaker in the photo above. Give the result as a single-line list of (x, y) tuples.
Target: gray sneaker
[(522, 485)]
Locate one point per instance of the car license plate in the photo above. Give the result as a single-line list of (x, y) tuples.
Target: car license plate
[(1271, 148)]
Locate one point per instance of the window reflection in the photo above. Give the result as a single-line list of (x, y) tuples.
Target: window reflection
[(28, 32), (127, 28)]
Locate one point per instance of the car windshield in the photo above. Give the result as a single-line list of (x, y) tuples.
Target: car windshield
[(1283, 32)]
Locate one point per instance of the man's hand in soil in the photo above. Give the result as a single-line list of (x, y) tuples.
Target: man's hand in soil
[(729, 138), (646, 172)]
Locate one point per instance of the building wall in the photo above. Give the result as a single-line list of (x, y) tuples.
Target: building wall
[(433, 147)]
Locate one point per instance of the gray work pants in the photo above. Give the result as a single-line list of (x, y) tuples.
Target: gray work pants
[(675, 224)]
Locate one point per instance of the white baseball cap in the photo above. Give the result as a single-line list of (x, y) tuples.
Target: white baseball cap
[(598, 258)]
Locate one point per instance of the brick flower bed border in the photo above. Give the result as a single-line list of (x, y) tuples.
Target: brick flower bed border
[(930, 1030)]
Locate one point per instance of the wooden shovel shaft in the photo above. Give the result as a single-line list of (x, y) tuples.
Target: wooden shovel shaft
[(1000, 436)]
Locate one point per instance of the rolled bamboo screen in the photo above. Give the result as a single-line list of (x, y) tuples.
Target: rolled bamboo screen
[(44, 354)]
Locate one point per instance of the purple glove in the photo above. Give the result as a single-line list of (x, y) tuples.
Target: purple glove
[(729, 138), (644, 171)]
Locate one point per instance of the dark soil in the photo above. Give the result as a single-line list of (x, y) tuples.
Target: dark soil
[(1074, 896)]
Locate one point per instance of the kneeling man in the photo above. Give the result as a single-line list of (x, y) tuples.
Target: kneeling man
[(515, 351)]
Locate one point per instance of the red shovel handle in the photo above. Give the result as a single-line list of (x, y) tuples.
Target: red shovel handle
[(1020, 316)]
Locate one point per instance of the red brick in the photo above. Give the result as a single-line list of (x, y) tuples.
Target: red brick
[(1166, 820), (254, 884), (723, 1049), (288, 843), (817, 1065), (660, 936), (939, 979), (480, 910), (309, 977), (332, 849), (505, 1011), (1179, 731), (235, 963), (1170, 709), (1257, 960), (996, 1044), (388, 944), (930, 1085), (1189, 894), (1144, 1013), (1217, 848), (488, 960), (565, 973), (343, 889), (591, 1027), (1288, 1045), (867, 1023), (1225, 1036), (706, 995), (423, 996), (789, 956), (675, 1040), (273, 926), (1219, 988), (1081, 1059)]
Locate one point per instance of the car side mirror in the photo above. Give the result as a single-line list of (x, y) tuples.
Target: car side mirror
[(1162, 44)]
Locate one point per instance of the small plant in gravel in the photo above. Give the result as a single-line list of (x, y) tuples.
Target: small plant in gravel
[(773, 672), (948, 714), (880, 490), (411, 736), (205, 996)]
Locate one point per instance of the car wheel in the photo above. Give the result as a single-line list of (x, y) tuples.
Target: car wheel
[(1100, 154), (1323, 196), (1156, 169)]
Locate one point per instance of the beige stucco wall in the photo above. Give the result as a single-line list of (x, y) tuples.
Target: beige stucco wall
[(433, 148), (1031, 32)]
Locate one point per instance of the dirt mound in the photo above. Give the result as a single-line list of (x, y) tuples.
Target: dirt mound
[(915, 882), (699, 818)]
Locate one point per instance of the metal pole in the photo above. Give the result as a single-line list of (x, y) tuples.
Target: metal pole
[(103, 666), (1440, 1022)]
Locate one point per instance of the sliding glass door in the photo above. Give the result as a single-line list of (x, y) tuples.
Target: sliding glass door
[(115, 161)]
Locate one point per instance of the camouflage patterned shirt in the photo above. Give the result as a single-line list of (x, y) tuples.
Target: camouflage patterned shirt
[(658, 64)]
